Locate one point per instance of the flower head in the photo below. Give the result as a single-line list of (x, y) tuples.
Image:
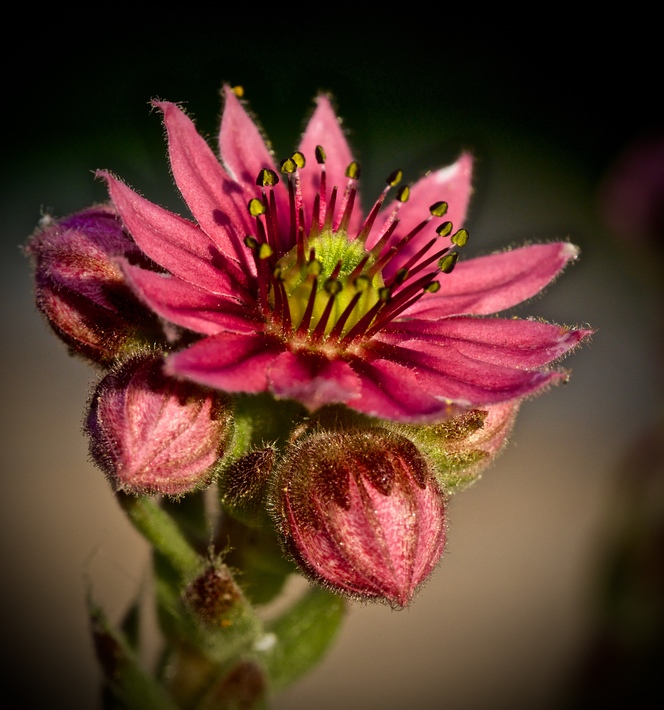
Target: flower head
[(290, 289), (151, 433), (360, 511)]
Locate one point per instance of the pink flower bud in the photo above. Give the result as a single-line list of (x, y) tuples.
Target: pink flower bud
[(360, 511), (153, 434), (81, 289)]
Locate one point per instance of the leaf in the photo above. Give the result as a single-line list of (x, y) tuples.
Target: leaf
[(302, 636)]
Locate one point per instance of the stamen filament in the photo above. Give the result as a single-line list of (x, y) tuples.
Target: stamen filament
[(306, 318)]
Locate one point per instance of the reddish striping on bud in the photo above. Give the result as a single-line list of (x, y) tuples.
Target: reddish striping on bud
[(361, 513), (79, 287), (153, 434)]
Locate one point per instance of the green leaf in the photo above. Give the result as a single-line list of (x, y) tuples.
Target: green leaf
[(298, 639)]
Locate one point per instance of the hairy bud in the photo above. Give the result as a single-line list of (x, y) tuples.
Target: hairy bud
[(80, 288), (360, 511), (154, 434)]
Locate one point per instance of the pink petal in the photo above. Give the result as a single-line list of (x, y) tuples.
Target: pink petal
[(312, 379), (217, 203), (451, 184), (188, 306), (324, 129), (513, 343), (178, 245), (242, 147), (233, 362), (493, 283), (449, 374), (392, 391)]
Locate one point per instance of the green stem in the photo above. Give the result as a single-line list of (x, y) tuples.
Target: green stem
[(160, 530)]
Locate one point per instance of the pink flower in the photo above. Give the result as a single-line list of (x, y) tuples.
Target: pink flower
[(291, 291), (360, 511)]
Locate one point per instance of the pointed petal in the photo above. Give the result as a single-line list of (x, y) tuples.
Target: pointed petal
[(493, 283), (451, 184), (242, 147), (324, 129), (312, 379), (189, 306), (216, 201), (447, 373), (524, 344), (233, 362), (178, 245), (392, 391)]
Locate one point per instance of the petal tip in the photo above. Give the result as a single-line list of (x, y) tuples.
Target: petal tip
[(569, 251)]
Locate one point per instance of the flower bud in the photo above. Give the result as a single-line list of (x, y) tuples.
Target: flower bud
[(80, 288), (360, 511), (154, 434), (462, 448), (214, 596)]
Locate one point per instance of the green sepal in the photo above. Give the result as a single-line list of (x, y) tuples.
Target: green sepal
[(456, 471), (127, 685), (455, 463), (297, 640)]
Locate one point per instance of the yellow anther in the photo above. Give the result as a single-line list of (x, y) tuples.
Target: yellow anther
[(459, 238), (320, 155), (438, 209), (384, 294), (448, 262), (353, 171), (442, 230), (332, 286), (267, 178), (432, 287), (404, 193), (256, 207), (299, 159), (265, 251), (401, 276), (288, 165), (394, 178)]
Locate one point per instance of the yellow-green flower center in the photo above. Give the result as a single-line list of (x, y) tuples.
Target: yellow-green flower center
[(335, 277), (323, 290)]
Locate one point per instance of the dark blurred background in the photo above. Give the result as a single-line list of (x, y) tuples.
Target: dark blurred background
[(551, 591)]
